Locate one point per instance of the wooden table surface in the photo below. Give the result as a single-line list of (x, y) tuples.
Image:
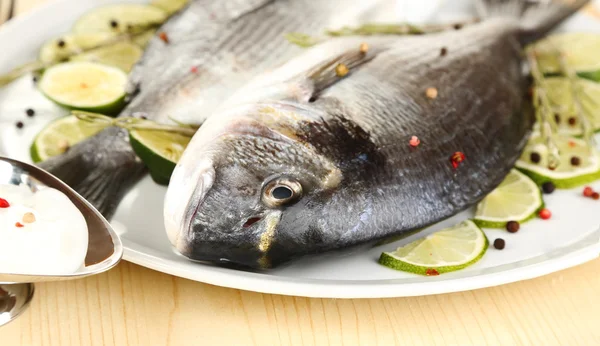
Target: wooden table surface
[(132, 305)]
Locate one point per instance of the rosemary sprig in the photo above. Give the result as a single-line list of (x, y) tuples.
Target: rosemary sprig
[(543, 109), (574, 87), (304, 40), (130, 123)]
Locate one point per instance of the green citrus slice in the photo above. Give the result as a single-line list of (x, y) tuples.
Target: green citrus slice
[(122, 55), (116, 18), (160, 151), (59, 135), (447, 250), (86, 86), (62, 47), (580, 50), (566, 175), (517, 198), (561, 99), (169, 6)]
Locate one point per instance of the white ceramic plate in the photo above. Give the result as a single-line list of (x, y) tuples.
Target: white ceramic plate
[(541, 247)]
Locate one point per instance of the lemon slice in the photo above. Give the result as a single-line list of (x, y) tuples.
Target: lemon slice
[(122, 55), (566, 175), (517, 198), (581, 52), (116, 18), (59, 135), (61, 48), (447, 250), (86, 86), (170, 6), (160, 151), (561, 100)]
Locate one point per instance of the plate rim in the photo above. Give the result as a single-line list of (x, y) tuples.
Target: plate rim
[(584, 250)]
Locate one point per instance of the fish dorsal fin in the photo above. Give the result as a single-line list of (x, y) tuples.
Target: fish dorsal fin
[(331, 71)]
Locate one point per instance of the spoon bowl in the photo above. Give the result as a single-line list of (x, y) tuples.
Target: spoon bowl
[(104, 246)]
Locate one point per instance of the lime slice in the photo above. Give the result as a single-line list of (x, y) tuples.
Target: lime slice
[(59, 135), (517, 198), (561, 100), (116, 18), (122, 55), (142, 39), (566, 175), (86, 86), (169, 6), (448, 250), (160, 151), (62, 47), (581, 52)]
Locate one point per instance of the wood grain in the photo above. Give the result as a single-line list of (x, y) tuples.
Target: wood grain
[(131, 305)]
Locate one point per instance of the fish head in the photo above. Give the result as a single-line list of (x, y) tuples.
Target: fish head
[(248, 188)]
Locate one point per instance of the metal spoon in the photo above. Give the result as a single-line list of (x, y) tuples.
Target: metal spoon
[(104, 247)]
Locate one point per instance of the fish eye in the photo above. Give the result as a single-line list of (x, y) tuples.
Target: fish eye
[(281, 191)]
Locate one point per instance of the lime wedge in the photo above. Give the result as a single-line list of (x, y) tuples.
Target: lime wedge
[(116, 18), (517, 198), (59, 135), (62, 47), (448, 250), (86, 86), (169, 6), (160, 151), (581, 52), (122, 55), (566, 175), (561, 100)]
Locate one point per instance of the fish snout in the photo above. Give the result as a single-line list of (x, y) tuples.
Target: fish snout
[(246, 245)]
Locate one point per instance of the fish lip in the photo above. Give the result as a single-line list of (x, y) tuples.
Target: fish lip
[(205, 182)]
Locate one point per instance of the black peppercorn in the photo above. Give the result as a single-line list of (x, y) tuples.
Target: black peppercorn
[(548, 187), (512, 226), (499, 243), (535, 157)]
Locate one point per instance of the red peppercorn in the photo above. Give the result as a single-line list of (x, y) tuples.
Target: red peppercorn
[(545, 214), (431, 272), (194, 69), (457, 158), (414, 141), (19, 225), (587, 191), (596, 195), (4, 203), (163, 36)]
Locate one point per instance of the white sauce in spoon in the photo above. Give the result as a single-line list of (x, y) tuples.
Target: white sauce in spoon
[(41, 233)]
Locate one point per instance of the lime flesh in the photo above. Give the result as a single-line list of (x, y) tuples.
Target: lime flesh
[(59, 135), (85, 86), (122, 55), (517, 198), (566, 175), (447, 250), (117, 18)]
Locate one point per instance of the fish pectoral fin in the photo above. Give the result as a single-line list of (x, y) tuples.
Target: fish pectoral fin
[(334, 70)]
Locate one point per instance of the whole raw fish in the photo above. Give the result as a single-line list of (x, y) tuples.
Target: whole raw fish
[(315, 156)]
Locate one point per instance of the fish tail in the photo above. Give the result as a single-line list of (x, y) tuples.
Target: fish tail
[(537, 17), (101, 169)]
